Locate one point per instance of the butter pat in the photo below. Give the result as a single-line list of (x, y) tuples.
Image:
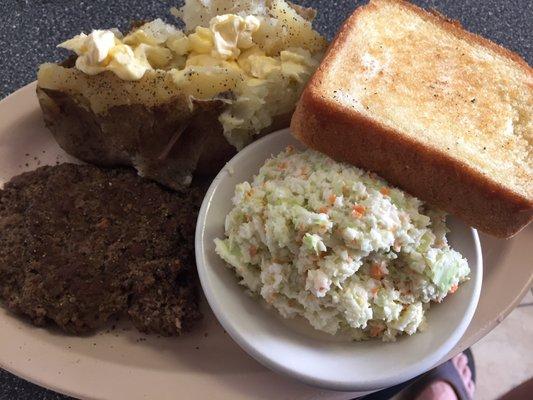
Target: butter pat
[(91, 49), (231, 33), (102, 51)]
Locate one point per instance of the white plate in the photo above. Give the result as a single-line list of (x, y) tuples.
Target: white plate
[(298, 349), (109, 367)]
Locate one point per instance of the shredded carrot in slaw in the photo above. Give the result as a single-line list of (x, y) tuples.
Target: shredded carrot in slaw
[(358, 211), (376, 272)]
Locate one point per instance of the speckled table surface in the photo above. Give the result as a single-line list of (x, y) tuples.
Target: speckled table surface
[(31, 29)]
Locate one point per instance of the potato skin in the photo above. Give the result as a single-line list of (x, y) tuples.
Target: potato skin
[(164, 142)]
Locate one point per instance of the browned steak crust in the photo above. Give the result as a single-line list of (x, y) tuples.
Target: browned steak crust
[(79, 244)]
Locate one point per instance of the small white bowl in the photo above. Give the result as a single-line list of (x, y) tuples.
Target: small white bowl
[(294, 347)]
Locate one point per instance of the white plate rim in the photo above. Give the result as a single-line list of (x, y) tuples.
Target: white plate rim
[(502, 256)]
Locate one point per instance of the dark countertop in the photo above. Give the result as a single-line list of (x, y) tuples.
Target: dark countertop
[(30, 30)]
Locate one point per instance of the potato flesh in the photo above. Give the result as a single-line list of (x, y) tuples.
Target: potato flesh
[(106, 90)]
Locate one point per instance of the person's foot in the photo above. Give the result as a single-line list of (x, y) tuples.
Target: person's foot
[(442, 390)]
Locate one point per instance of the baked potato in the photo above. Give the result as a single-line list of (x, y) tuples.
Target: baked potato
[(183, 102)]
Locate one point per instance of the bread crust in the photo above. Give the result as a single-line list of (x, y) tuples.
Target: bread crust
[(432, 175)]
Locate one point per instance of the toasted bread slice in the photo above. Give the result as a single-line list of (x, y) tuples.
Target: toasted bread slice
[(442, 113)]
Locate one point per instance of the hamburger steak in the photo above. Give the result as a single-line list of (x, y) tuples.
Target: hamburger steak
[(79, 244)]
